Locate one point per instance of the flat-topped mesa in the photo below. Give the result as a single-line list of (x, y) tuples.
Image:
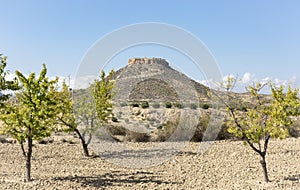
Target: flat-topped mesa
[(148, 61)]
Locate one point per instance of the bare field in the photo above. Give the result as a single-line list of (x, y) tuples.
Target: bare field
[(226, 165)]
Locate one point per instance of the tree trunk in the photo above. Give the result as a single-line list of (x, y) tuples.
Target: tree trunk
[(84, 144), (28, 159), (85, 149), (264, 167)]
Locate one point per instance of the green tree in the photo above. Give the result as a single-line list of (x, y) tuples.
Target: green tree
[(84, 111), (76, 113), (264, 117), (102, 93), (4, 84), (31, 116)]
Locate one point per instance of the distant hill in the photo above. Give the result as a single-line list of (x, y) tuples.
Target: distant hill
[(140, 112), (154, 79)]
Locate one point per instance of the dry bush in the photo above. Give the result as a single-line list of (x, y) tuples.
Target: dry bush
[(136, 137), (166, 130), (201, 128), (294, 130), (46, 141), (5, 140), (116, 130)]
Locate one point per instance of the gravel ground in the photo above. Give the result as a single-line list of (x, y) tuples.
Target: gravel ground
[(226, 165)]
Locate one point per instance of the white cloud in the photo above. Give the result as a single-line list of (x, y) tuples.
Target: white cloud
[(247, 77), (78, 82), (82, 82)]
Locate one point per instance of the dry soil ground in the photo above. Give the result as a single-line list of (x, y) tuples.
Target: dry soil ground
[(226, 165)]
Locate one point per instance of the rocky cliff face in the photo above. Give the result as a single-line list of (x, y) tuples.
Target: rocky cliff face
[(148, 61)]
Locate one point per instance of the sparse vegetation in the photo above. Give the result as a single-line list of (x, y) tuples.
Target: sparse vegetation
[(40, 108), (145, 105), (137, 137), (168, 104), (178, 105), (166, 130), (135, 104), (193, 106), (114, 119), (205, 106)]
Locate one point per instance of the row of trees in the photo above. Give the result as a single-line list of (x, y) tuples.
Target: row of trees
[(39, 107)]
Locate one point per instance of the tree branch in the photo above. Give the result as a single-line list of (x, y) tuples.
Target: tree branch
[(23, 149), (243, 133)]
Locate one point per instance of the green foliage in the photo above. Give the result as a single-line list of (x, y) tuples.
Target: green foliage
[(76, 108), (102, 93), (178, 105), (84, 109), (33, 112), (89, 108), (205, 106), (168, 104), (267, 119), (264, 119), (32, 115), (65, 113), (114, 119), (145, 105)]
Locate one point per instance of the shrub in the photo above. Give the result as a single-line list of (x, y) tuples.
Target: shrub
[(114, 119), (135, 104), (201, 128), (116, 130), (168, 104), (294, 130), (155, 105), (205, 106), (46, 141), (145, 105), (137, 137), (166, 130), (178, 105), (193, 106)]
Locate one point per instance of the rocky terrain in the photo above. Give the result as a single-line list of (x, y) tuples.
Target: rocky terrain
[(226, 165)]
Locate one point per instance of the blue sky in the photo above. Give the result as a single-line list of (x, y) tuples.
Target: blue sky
[(252, 39)]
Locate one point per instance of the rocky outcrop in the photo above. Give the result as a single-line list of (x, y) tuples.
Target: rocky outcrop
[(148, 61)]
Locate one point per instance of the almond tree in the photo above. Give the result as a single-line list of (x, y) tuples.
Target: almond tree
[(31, 116), (263, 117), (84, 111), (102, 93), (76, 114)]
